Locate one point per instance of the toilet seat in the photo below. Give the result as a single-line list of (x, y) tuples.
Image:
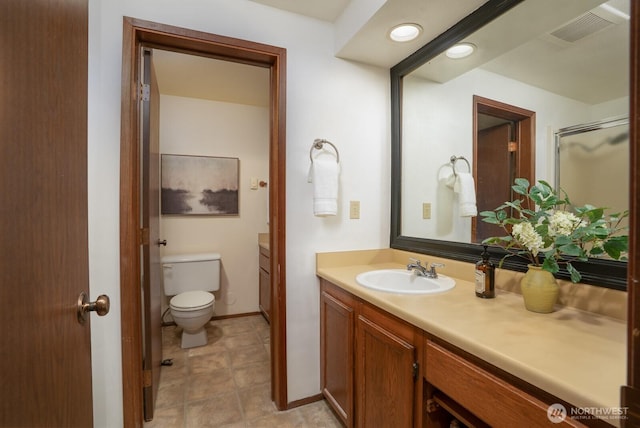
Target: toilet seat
[(192, 301)]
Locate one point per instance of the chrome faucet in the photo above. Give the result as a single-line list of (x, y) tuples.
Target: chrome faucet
[(420, 270)]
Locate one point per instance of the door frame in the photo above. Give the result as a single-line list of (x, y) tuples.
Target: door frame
[(137, 33)]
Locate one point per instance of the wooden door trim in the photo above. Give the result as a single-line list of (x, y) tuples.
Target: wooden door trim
[(135, 34), (633, 271), (525, 132)]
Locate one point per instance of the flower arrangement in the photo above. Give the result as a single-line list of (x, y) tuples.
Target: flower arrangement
[(549, 231)]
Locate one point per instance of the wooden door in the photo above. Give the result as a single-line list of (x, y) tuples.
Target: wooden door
[(45, 351), (386, 373), (494, 175), (337, 338), (150, 219)]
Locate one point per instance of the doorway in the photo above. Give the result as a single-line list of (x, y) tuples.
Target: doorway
[(503, 149), (137, 34)]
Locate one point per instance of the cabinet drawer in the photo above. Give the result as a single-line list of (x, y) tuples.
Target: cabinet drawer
[(490, 398), (264, 259)]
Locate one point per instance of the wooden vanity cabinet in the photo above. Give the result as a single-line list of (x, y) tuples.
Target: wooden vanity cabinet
[(458, 388), (388, 371), (380, 371), (264, 283), (337, 344), (370, 373)]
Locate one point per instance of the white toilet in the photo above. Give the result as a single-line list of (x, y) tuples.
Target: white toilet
[(190, 278)]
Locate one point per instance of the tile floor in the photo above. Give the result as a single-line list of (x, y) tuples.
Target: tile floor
[(226, 384)]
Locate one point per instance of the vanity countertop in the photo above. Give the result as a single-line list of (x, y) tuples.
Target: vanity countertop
[(575, 355), (263, 240)]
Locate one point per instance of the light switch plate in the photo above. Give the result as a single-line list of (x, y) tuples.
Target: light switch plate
[(354, 209), (426, 210)]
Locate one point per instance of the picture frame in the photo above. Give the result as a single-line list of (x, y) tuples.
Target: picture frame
[(199, 185)]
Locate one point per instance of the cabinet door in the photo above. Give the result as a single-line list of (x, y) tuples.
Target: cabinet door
[(337, 352), (265, 294), (386, 372)]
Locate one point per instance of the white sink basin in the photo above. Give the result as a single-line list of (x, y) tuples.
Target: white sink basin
[(404, 282)]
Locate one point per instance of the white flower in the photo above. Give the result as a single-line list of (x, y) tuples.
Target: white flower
[(526, 234), (563, 223)]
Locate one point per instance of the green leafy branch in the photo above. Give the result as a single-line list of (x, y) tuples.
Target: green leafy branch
[(556, 233)]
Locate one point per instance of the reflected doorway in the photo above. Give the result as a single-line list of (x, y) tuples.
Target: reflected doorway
[(503, 149)]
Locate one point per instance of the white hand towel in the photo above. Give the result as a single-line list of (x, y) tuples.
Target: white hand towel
[(465, 187), (323, 174)]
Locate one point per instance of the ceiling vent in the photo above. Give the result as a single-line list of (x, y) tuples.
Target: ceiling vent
[(584, 26)]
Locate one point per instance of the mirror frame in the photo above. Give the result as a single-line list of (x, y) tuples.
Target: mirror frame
[(606, 273)]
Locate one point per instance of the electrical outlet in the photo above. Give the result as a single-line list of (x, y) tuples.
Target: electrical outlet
[(426, 210), (354, 209)]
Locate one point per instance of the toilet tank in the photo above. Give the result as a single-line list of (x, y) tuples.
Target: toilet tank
[(191, 272)]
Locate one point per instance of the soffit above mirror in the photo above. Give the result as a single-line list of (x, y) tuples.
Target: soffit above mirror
[(361, 26)]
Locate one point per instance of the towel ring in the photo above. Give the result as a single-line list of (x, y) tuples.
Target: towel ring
[(318, 143), (455, 159)]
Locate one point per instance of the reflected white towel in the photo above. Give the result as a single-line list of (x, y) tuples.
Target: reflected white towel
[(323, 174), (450, 181), (465, 187)]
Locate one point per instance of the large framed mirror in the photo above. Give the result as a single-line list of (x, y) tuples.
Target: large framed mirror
[(538, 67)]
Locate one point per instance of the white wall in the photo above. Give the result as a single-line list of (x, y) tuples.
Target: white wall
[(346, 103), (198, 127), (440, 118)]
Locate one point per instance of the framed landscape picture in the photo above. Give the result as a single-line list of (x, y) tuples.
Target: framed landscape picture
[(199, 185)]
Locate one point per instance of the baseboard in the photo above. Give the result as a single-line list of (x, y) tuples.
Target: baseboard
[(247, 314), (168, 323), (304, 401)]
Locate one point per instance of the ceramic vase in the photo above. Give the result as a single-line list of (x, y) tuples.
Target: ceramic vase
[(539, 289)]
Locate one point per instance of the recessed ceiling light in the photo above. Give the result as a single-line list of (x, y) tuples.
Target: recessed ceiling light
[(461, 50), (405, 32)]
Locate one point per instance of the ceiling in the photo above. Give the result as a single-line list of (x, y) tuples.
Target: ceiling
[(325, 10), (360, 34)]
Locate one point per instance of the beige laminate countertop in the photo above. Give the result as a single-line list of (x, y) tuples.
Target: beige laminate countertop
[(263, 241), (575, 355)]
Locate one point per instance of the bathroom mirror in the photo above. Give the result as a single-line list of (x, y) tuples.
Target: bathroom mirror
[(563, 63)]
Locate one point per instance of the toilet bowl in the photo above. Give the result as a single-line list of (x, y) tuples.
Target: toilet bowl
[(192, 310), (189, 280)]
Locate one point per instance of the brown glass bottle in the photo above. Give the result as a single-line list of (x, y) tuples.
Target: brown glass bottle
[(485, 277)]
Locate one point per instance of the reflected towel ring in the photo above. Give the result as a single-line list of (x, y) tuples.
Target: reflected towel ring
[(455, 159), (318, 143)]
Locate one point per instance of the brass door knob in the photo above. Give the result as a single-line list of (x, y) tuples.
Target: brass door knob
[(100, 306)]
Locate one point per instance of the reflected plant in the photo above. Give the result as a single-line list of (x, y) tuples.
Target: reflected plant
[(549, 232)]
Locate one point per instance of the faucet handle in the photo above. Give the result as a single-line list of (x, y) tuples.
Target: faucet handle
[(416, 261), (432, 271)]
